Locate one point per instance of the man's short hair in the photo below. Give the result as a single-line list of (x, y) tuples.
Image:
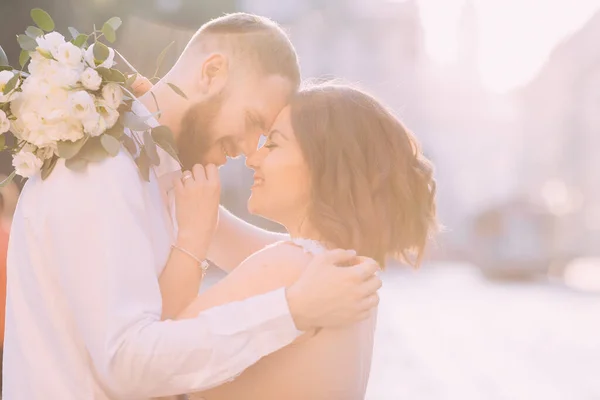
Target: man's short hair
[(252, 38)]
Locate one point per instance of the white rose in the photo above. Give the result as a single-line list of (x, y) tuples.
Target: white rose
[(90, 79), (95, 127), (50, 74), (37, 62), (112, 95), (4, 122), (89, 58), (70, 55), (51, 42), (26, 163), (82, 106), (6, 76), (109, 114)]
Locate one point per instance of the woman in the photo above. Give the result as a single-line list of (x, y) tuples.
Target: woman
[(338, 171)]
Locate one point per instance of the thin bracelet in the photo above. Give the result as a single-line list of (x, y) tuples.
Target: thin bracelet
[(203, 264)]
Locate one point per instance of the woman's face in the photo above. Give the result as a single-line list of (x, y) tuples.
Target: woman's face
[(281, 190)]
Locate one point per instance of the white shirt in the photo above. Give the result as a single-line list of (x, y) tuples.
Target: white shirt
[(83, 300)]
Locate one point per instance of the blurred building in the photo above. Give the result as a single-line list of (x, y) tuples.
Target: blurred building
[(560, 124)]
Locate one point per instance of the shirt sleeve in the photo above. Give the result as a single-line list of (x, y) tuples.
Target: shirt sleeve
[(99, 236)]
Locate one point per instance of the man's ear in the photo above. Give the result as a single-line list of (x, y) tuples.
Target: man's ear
[(214, 73)]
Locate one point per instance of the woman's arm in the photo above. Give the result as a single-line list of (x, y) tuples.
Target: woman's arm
[(196, 206), (274, 267), (235, 240)]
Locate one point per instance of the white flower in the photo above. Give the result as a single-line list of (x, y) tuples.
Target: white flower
[(70, 56), (95, 127), (51, 42), (90, 79), (50, 74), (26, 163), (6, 76), (112, 94), (4, 122), (37, 62), (89, 58), (82, 106), (109, 114)]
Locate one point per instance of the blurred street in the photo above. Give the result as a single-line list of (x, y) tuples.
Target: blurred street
[(446, 333)]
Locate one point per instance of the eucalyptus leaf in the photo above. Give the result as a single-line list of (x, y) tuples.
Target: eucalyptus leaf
[(114, 22), (143, 164), (27, 43), (116, 131), (109, 33), (150, 148), (6, 68), (80, 40), (9, 179), (177, 90), (134, 122), (34, 32), (67, 149), (42, 19), (163, 137), (11, 84), (130, 145), (161, 57), (130, 80), (3, 58), (24, 57), (101, 52), (110, 144), (155, 101), (93, 151), (74, 32), (76, 164), (111, 75), (2, 142), (48, 166)]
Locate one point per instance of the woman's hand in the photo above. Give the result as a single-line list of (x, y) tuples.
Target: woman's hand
[(197, 195)]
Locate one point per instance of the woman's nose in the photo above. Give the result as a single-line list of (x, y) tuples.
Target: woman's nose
[(254, 159)]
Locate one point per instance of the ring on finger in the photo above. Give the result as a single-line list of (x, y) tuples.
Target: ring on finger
[(187, 175)]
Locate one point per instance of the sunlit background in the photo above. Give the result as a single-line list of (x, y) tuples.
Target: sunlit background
[(505, 97)]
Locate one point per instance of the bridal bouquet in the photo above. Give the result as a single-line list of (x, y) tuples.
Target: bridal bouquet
[(67, 100)]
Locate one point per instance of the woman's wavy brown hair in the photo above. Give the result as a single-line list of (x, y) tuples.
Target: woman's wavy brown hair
[(372, 187)]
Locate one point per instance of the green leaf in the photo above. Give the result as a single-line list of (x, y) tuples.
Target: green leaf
[(143, 164), (42, 19), (109, 33), (68, 149), (101, 52), (111, 75), (48, 166), (130, 145), (27, 43), (2, 142), (114, 22), (76, 164), (9, 179), (11, 84), (116, 131), (110, 144), (155, 101), (93, 151), (74, 32), (134, 122), (163, 137), (3, 58), (80, 40), (34, 32), (161, 57), (130, 80), (6, 68), (24, 57), (177, 90), (150, 148)]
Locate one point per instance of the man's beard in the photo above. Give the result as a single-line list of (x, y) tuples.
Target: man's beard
[(195, 137)]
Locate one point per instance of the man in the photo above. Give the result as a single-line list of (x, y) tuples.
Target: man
[(83, 301)]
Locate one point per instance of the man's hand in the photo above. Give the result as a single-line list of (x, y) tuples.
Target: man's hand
[(327, 295), (141, 85)]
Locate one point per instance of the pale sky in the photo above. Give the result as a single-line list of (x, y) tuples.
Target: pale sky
[(516, 36)]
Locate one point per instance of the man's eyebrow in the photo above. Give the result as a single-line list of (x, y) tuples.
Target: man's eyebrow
[(257, 119)]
